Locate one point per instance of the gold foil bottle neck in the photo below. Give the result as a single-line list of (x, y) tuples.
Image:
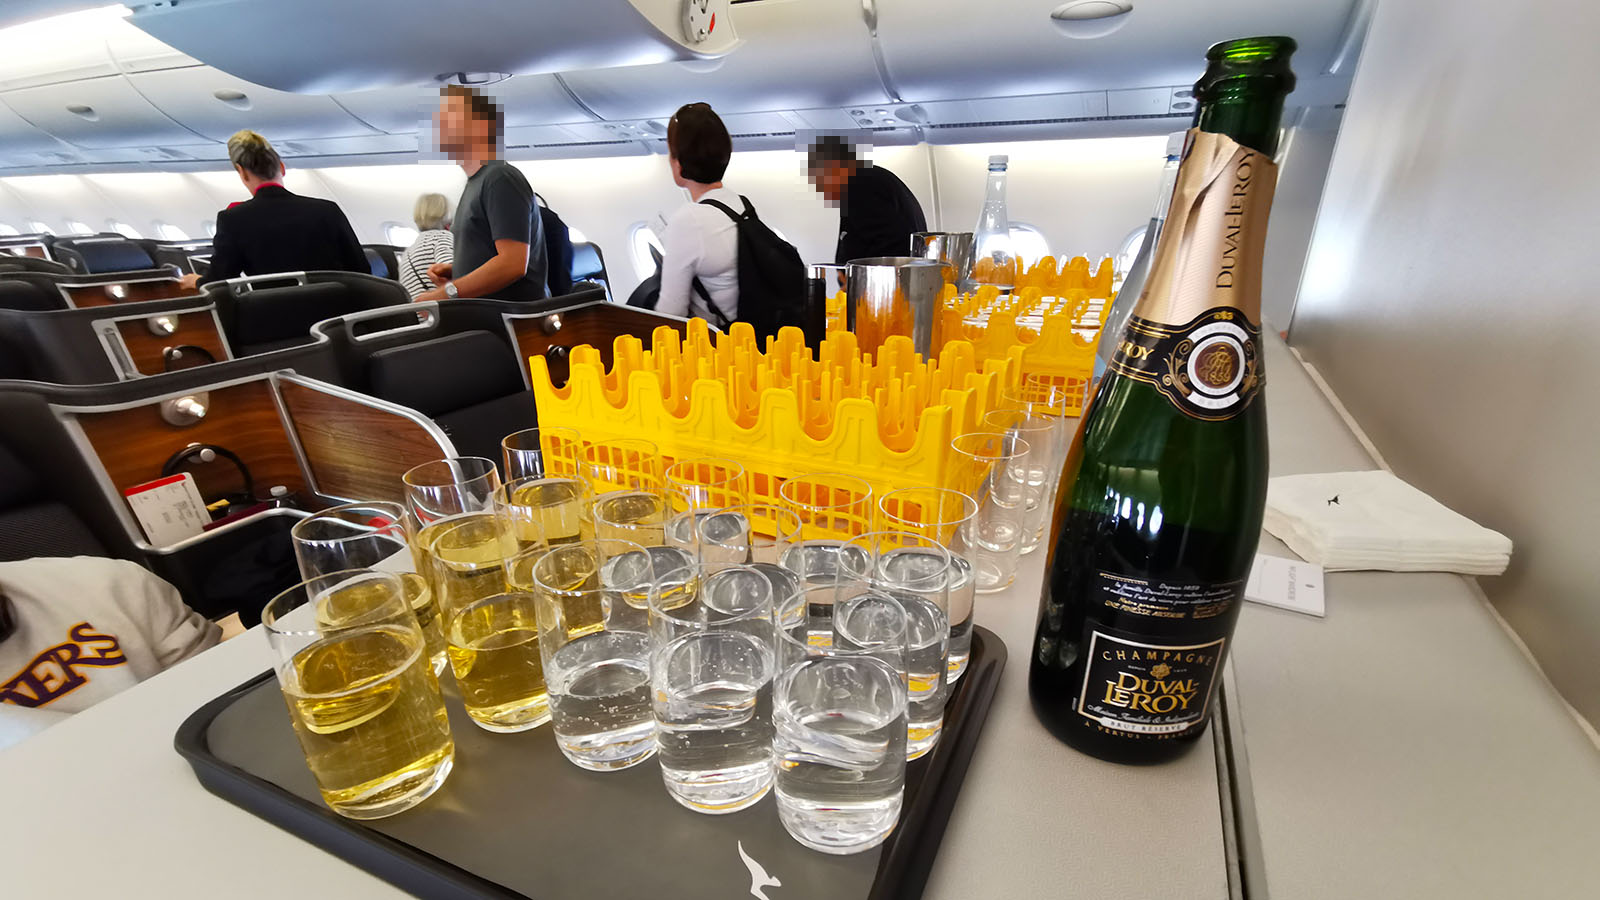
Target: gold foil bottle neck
[(1215, 234)]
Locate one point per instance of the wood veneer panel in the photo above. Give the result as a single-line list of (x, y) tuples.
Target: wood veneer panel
[(596, 324), (134, 443), (355, 450), (100, 294), (147, 350)]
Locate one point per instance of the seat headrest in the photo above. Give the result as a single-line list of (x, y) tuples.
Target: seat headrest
[(23, 293), (585, 261), (277, 314), (375, 262), (18, 483), (102, 255), (445, 374)]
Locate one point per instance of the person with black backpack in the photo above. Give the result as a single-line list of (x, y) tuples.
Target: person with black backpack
[(719, 260)]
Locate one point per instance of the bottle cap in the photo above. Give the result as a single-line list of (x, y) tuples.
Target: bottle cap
[(999, 160), (1175, 144)]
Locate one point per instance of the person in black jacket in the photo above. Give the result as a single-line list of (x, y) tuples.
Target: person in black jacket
[(275, 230), (877, 212)]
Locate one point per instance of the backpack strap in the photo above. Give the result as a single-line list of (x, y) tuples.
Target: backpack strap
[(710, 304), (749, 211)]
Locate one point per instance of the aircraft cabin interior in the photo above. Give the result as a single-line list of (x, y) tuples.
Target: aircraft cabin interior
[(798, 449)]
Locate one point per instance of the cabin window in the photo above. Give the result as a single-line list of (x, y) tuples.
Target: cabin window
[(124, 229), (1028, 243), (399, 235), (169, 232), (641, 238), (577, 236), (40, 228), (1130, 249), (79, 228)]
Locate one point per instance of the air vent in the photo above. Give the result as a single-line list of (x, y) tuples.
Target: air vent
[(578, 144), (84, 112), (234, 99), (164, 154), (295, 149), (1008, 122)]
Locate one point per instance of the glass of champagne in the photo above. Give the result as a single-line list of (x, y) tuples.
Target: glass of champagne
[(1040, 471), (362, 697), (369, 535), (439, 492), (950, 518), (914, 572), (626, 464), (553, 510), (596, 654), (551, 452), (991, 468), (711, 667)]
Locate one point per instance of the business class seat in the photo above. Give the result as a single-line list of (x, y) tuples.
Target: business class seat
[(32, 264), (383, 260), (180, 255), (265, 313), (469, 383), (34, 523), (589, 267), (25, 293), (99, 254)]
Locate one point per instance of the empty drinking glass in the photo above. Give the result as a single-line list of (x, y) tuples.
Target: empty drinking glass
[(626, 464), (839, 723), (949, 517), (597, 665), (362, 698), (1040, 470), (711, 669), (896, 567), (542, 453), (991, 469)]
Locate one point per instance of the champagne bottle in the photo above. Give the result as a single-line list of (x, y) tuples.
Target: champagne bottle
[(1156, 527)]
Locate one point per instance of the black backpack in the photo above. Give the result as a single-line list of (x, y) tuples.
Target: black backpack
[(772, 279), (557, 250)]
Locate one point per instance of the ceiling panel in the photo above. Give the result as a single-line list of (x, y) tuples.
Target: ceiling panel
[(797, 54), (397, 110), (954, 49), (112, 114), (191, 96), (18, 136)]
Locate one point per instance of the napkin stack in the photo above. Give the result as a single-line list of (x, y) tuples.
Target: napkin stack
[(1373, 520)]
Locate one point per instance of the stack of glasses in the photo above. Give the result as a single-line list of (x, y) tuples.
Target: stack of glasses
[(643, 612)]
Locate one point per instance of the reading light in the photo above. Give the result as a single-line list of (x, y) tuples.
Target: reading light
[(1087, 19), (186, 411)]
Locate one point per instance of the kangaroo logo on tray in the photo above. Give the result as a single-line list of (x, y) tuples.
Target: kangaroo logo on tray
[(759, 879)]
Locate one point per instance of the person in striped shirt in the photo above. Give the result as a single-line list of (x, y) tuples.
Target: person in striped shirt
[(434, 244)]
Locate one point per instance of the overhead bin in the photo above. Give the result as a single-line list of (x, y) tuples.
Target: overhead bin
[(99, 112), (948, 49), (796, 55), (18, 136), (216, 104), (319, 46)]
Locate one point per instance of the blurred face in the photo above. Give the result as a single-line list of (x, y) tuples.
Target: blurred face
[(456, 128), (829, 179)]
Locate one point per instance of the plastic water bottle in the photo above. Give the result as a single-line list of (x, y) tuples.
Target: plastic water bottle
[(993, 260), (1133, 284)]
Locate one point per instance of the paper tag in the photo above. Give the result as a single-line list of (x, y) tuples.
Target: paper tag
[(169, 509), (1287, 584)]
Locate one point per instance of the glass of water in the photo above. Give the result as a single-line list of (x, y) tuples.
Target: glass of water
[(888, 567), (831, 505), (839, 723), (711, 669), (597, 666), (1040, 471), (752, 533), (949, 517), (991, 468)]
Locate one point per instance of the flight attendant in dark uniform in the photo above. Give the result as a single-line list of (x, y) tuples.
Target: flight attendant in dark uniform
[(276, 230), (877, 212)]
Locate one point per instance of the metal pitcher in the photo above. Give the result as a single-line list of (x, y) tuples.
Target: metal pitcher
[(889, 295), (953, 247)]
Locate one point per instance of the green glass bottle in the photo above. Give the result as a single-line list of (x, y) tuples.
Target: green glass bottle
[(1162, 493)]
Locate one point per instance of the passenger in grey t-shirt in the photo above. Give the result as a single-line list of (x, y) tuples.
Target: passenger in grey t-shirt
[(499, 239)]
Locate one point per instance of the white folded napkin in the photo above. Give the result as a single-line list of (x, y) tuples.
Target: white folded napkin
[(1373, 520)]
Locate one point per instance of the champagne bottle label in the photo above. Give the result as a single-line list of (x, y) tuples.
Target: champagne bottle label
[(1140, 685), (1195, 334)]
